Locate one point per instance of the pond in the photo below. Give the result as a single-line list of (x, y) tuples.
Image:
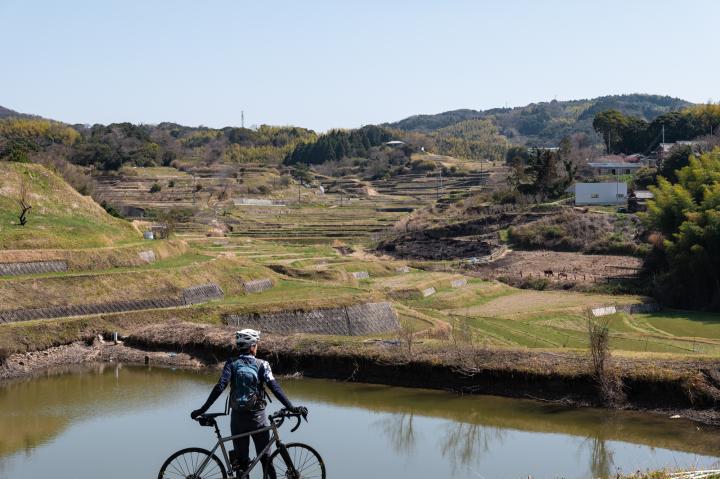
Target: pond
[(116, 421)]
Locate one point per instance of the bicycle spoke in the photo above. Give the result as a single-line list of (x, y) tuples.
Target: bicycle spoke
[(188, 464), (305, 464)]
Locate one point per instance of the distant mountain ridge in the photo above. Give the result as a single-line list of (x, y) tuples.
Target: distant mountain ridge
[(8, 113), (546, 123)]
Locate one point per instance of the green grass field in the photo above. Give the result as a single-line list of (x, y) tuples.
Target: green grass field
[(308, 252), (60, 217)]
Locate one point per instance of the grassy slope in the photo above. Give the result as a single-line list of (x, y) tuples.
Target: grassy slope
[(60, 217)]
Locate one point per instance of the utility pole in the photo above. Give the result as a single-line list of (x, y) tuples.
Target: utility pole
[(194, 188), (663, 134), (439, 183)]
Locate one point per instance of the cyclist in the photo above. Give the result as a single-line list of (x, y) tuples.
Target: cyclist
[(247, 376)]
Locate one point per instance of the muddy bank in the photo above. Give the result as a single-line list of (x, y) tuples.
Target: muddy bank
[(670, 387), (23, 365)]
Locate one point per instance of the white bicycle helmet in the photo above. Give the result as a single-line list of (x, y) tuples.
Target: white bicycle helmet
[(246, 338)]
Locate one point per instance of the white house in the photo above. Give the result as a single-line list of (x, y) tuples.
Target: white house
[(600, 193)]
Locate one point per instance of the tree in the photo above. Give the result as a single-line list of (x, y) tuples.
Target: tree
[(678, 158), (23, 198), (686, 265), (610, 124)]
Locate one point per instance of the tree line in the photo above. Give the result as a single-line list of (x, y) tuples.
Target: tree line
[(109, 147), (684, 218), (630, 134)]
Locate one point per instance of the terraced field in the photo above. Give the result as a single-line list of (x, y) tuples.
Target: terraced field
[(312, 254)]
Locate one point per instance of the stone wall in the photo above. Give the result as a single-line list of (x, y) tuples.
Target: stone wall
[(355, 320), (202, 293), (192, 295), (258, 285), (32, 267), (626, 308)]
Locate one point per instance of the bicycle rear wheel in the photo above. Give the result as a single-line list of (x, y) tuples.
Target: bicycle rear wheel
[(306, 463), (186, 464)]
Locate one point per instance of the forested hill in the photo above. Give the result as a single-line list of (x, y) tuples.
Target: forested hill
[(545, 124), (8, 113)]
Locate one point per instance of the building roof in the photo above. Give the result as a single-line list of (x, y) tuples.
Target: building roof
[(395, 142), (615, 165), (644, 195)]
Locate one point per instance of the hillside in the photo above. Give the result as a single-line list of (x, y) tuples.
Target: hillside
[(60, 217), (546, 123), (8, 113)]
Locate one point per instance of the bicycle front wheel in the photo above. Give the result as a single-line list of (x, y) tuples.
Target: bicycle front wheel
[(193, 463), (306, 463)]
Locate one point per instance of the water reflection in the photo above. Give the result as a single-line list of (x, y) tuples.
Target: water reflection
[(34, 410), (436, 434), (399, 430), (601, 458)]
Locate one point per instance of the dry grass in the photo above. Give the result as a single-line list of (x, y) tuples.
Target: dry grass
[(60, 217)]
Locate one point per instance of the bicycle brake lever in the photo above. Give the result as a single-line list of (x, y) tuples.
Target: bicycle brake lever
[(297, 424)]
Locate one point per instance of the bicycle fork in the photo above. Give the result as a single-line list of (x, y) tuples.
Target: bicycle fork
[(292, 473)]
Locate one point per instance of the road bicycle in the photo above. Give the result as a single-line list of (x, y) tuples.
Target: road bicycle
[(289, 461)]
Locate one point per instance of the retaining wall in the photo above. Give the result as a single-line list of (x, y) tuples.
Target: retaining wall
[(201, 294), (626, 308), (258, 285), (356, 320), (32, 267), (192, 295), (428, 292)]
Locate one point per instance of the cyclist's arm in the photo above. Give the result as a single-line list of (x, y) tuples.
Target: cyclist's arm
[(275, 386), (219, 387)]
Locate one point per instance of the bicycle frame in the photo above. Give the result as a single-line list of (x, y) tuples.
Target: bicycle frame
[(274, 439)]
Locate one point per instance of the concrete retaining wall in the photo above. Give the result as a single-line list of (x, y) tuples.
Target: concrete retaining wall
[(360, 275), (192, 295), (626, 308), (356, 320), (428, 292), (258, 285), (201, 294), (32, 267), (147, 256), (86, 309)]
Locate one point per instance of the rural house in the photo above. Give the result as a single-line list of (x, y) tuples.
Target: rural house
[(600, 193)]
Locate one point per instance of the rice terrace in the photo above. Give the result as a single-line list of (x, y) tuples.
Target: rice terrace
[(526, 291)]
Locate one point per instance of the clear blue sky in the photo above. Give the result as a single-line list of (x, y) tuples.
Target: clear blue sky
[(343, 63)]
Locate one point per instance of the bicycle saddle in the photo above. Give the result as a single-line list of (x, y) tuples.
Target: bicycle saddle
[(208, 419)]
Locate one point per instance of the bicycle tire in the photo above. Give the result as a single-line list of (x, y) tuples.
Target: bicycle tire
[(306, 461), (183, 463)]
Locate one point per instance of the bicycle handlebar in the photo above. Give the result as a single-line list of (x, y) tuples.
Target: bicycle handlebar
[(278, 418)]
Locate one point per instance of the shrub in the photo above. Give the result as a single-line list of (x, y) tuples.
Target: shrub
[(155, 188)]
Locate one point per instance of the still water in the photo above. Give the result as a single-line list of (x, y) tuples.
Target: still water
[(122, 422)]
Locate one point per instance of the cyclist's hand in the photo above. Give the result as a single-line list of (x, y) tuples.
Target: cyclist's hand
[(302, 410), (194, 415)]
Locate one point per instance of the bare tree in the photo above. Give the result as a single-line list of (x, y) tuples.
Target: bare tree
[(23, 199), (607, 378)]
